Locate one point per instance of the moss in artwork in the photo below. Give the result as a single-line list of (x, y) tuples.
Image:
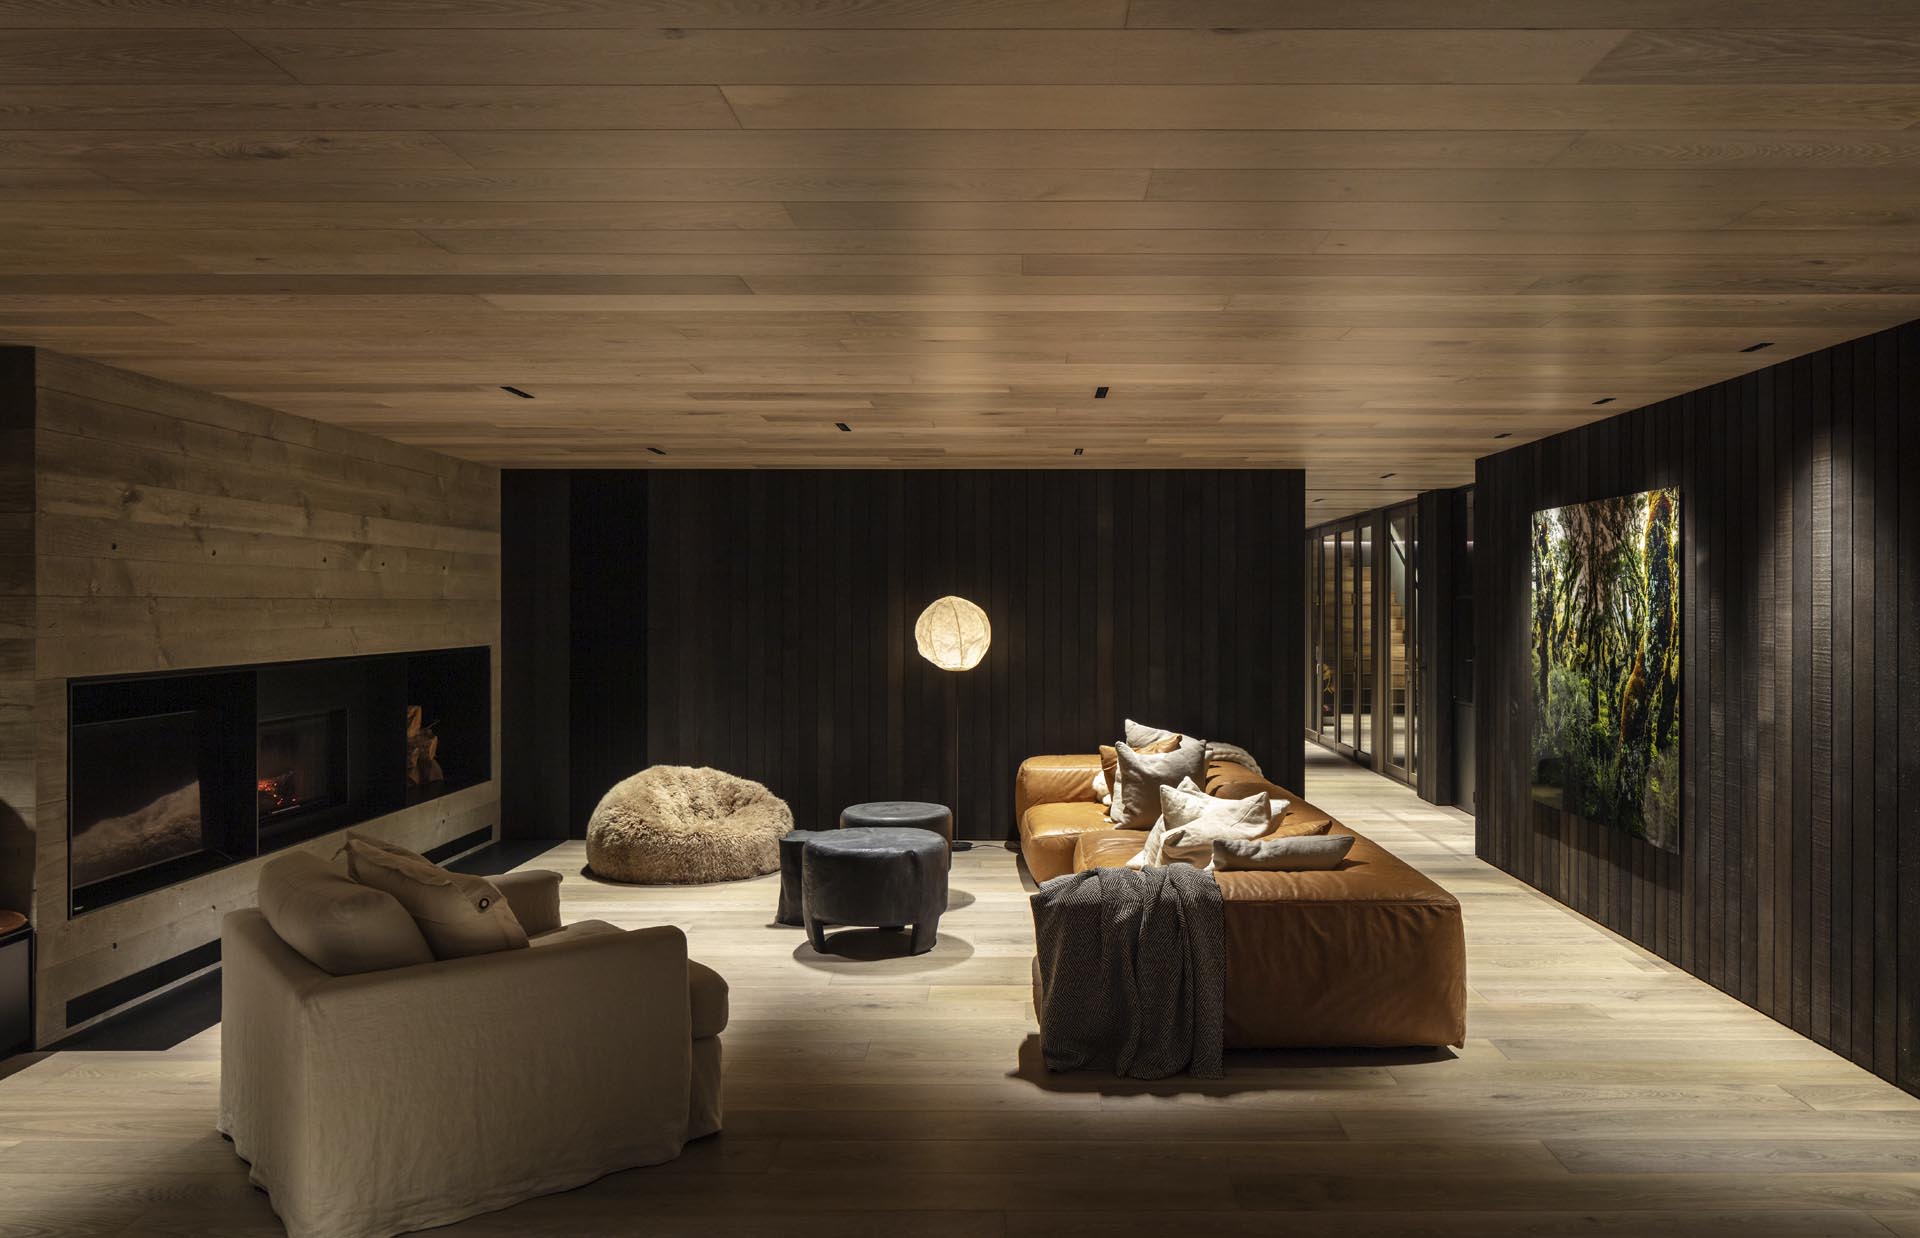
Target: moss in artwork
[(1606, 662)]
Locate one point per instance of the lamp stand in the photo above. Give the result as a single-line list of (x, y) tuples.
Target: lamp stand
[(953, 729)]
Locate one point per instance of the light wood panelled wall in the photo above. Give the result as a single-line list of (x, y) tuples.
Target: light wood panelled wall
[(178, 529), (1354, 238), (1797, 886), (17, 797)]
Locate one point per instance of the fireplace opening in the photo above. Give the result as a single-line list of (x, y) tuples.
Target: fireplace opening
[(301, 765), (136, 795)]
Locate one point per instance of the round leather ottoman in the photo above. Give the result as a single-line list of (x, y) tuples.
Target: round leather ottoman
[(899, 814), (883, 877), (793, 845)]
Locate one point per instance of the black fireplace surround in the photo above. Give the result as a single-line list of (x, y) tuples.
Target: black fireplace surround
[(171, 776)]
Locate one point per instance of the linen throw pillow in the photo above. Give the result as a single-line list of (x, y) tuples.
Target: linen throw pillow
[(1136, 797), (1194, 821), (1312, 853), (459, 914), (1139, 734), (1110, 767), (334, 922)]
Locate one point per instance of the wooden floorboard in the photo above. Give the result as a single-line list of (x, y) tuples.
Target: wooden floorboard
[(1603, 1092)]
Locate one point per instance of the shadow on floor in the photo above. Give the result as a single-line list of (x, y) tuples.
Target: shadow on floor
[(1248, 1070)]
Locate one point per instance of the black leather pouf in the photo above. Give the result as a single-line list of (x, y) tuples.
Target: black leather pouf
[(881, 877), (899, 814), (791, 848)]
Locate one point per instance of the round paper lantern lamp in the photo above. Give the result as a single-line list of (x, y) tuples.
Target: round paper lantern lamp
[(953, 634)]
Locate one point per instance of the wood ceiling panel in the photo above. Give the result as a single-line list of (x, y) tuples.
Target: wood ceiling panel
[(1068, 148), (583, 14), (1323, 107), (1355, 236), (938, 56)]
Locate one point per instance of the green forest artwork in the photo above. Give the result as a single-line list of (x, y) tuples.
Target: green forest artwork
[(1606, 662)]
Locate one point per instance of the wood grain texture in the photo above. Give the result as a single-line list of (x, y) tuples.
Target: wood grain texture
[(704, 225), (175, 529), (1789, 890), (1602, 1092), (778, 609)]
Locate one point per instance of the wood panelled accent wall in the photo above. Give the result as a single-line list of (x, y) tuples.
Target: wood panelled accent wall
[(18, 800), (1797, 888), (779, 606), (178, 529)]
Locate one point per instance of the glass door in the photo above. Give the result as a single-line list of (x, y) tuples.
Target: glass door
[(1362, 647), (1400, 638)]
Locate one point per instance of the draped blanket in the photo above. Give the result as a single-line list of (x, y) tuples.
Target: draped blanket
[(1131, 971)]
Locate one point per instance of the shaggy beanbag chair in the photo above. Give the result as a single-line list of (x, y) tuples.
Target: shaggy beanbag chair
[(680, 824)]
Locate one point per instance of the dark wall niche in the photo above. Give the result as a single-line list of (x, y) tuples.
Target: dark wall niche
[(171, 776), (1797, 886)]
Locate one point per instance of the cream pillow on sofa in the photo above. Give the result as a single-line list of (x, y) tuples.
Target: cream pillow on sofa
[(459, 914), (1191, 821), (335, 923)]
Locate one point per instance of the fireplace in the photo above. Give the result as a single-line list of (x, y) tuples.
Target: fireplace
[(138, 808), (301, 765), (172, 776)]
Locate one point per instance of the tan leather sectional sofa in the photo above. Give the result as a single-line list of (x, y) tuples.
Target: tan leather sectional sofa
[(1370, 954)]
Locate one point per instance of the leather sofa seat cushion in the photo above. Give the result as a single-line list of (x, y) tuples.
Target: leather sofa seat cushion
[(340, 926), (459, 914), (1049, 832), (1108, 848)]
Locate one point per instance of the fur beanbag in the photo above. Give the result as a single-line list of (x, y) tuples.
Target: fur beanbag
[(681, 825)]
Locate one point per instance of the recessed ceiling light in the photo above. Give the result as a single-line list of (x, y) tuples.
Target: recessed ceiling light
[(1384, 476), (1605, 399), (525, 395), (844, 427), (1504, 434), (1758, 347), (1079, 451), (1099, 393), (656, 451), (1319, 500)]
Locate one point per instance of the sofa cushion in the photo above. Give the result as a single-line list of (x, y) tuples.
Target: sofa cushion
[(1139, 734), (1136, 798), (1110, 766), (1191, 821), (459, 914), (707, 992), (1048, 831), (1282, 855), (340, 926), (1108, 848)]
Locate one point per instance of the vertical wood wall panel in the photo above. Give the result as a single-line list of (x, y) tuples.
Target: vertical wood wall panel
[(779, 610), (1797, 888)]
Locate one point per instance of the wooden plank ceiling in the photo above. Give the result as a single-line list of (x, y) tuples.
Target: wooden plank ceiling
[(1370, 238)]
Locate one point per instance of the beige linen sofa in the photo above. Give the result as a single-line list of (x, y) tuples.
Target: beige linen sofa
[(402, 1098)]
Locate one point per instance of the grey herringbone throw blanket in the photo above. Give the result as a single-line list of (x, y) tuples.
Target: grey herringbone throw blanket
[(1130, 971)]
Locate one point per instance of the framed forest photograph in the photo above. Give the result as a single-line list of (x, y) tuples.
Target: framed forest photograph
[(1606, 662)]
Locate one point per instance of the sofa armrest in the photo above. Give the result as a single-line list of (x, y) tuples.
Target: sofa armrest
[(404, 1106), (1054, 780), (534, 895)]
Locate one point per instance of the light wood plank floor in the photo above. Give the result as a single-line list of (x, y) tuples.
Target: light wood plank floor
[(1603, 1093)]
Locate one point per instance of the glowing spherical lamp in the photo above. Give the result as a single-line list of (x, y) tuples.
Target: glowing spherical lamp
[(953, 634)]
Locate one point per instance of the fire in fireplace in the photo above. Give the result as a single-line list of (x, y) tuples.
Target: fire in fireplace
[(300, 765)]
